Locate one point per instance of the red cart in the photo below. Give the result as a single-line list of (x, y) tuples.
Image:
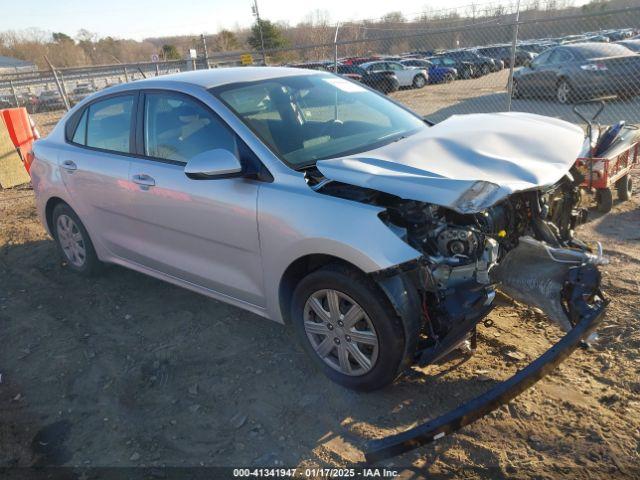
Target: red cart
[(602, 174), (611, 159)]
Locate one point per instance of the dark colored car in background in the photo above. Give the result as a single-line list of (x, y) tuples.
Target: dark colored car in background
[(482, 65), (503, 52), (385, 82), (580, 71), (437, 73), (464, 69)]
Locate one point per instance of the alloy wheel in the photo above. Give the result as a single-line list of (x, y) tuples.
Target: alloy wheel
[(71, 240), (564, 92), (340, 332)]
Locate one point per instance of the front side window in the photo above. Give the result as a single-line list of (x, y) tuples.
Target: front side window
[(177, 128), (312, 117), (109, 124)]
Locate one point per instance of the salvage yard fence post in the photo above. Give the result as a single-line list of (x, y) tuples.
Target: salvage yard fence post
[(514, 42)]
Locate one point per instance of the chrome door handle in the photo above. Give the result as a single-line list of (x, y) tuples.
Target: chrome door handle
[(143, 180), (69, 165)]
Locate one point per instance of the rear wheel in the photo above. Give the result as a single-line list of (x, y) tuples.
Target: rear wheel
[(449, 77), (484, 70), (624, 186), (604, 198), (73, 241), (419, 81), (348, 328), (564, 92)]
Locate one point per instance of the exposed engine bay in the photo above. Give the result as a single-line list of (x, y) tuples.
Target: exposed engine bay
[(523, 245)]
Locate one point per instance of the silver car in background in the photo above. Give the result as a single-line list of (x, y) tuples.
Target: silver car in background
[(312, 200)]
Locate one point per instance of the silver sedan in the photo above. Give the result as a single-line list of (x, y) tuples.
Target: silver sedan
[(314, 201)]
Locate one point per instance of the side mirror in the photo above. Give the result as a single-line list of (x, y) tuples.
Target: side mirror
[(217, 163)]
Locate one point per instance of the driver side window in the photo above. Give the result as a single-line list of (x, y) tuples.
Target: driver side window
[(177, 128), (541, 59)]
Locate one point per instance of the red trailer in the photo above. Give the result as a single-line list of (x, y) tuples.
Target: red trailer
[(603, 174)]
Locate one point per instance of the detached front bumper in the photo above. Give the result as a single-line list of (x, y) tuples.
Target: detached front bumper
[(585, 306)]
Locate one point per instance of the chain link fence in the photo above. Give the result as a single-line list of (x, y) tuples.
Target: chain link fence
[(513, 59)]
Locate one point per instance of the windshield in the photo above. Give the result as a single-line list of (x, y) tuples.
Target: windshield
[(312, 117)]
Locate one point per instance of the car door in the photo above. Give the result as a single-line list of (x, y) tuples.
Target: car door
[(405, 74), (202, 231), (95, 169), (534, 77)]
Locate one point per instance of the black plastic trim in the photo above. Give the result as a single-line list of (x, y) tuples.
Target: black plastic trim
[(502, 393)]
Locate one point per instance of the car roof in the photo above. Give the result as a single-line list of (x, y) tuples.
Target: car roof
[(216, 77)]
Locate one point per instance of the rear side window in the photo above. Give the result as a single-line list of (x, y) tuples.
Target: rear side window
[(108, 125), (177, 128), (80, 137)]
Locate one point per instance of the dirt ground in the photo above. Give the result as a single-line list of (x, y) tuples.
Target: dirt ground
[(127, 370)]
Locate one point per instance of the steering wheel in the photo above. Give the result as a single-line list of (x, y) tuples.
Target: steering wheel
[(329, 127)]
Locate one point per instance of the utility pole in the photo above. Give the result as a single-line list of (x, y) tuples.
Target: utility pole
[(256, 12), (335, 51)]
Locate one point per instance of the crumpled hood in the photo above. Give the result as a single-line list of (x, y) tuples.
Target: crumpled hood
[(515, 151)]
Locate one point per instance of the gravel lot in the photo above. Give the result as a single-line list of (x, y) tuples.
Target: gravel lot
[(127, 370)]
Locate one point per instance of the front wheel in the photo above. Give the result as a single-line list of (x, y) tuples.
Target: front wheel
[(348, 328), (564, 92), (604, 200), (485, 69)]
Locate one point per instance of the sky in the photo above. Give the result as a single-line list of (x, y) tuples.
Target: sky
[(138, 19)]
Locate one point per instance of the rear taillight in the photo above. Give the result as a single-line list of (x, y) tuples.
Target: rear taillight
[(594, 67)]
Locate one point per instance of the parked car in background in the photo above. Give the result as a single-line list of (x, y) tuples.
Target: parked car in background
[(384, 81), (464, 69), (81, 91), (407, 76), (50, 100), (437, 73), (482, 65), (580, 71), (633, 45), (503, 52)]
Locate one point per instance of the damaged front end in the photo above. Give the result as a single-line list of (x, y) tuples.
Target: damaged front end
[(523, 245)]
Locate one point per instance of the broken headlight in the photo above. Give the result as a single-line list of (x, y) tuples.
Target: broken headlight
[(477, 197)]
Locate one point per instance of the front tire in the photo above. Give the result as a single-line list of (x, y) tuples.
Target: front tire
[(564, 92), (348, 328), (74, 245)]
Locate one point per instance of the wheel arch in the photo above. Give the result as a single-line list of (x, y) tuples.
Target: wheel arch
[(50, 206), (297, 270)]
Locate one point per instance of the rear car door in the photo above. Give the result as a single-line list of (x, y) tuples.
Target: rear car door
[(405, 74), (95, 168), (203, 232)]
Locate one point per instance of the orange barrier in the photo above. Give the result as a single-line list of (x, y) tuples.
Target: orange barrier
[(22, 132)]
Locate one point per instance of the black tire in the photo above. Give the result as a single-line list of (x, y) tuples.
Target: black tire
[(485, 69), (624, 186), (564, 92), (419, 81), (90, 264), (389, 328), (515, 90), (467, 73), (449, 77), (604, 197)]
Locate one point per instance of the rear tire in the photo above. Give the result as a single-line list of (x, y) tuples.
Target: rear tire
[(386, 359), (515, 90), (419, 81), (485, 70), (624, 186), (604, 197), (74, 245)]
